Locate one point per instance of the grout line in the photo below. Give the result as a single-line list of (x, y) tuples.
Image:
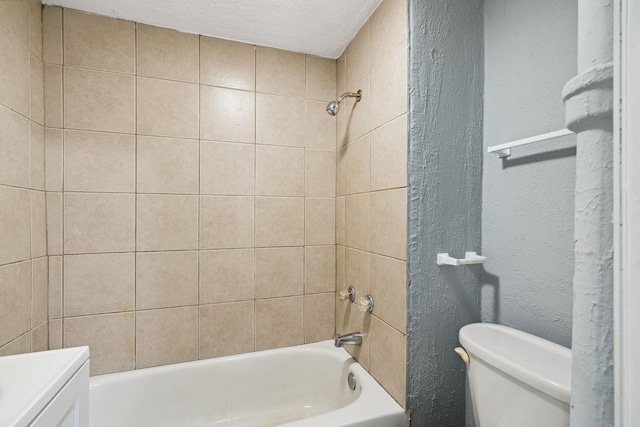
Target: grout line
[(62, 189), (199, 219), (135, 208), (255, 198)]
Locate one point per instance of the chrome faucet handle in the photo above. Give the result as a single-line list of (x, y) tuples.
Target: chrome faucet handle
[(365, 304), (349, 294)]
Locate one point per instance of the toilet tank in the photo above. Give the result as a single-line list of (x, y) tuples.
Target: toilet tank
[(516, 379)]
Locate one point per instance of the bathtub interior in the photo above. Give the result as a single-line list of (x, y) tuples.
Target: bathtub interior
[(267, 388)]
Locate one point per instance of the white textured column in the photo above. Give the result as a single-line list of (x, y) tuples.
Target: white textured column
[(589, 111)]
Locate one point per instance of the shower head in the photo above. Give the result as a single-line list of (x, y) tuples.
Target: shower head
[(334, 106)]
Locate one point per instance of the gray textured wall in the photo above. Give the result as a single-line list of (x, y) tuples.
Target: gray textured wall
[(445, 177), (528, 199)]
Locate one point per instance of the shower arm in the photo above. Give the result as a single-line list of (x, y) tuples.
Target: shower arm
[(357, 95)]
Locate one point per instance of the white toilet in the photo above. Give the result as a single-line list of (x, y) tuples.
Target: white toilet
[(516, 379)]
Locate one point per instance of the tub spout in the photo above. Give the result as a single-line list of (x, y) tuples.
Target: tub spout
[(353, 338)]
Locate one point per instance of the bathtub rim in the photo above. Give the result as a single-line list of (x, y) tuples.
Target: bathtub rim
[(373, 403)]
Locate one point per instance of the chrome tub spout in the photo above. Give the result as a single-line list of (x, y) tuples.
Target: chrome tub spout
[(353, 338)]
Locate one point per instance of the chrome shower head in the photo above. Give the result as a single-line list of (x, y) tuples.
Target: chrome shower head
[(334, 106)]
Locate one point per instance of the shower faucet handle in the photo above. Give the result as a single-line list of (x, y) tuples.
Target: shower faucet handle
[(349, 294), (365, 304)]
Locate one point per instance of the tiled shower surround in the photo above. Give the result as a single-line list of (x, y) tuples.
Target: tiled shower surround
[(371, 203), (23, 235), (200, 202), (190, 193)]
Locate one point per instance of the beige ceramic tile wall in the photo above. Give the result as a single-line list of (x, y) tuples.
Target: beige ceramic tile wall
[(371, 203), (23, 239), (190, 193)]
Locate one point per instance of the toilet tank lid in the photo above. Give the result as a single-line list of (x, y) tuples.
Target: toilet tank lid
[(539, 363)]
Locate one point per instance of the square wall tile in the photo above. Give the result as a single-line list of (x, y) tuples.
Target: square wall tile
[(341, 74), (14, 81), (55, 334), (40, 337), (53, 159), (227, 115), (321, 127), (36, 89), (20, 345), (37, 156), (321, 78), (227, 168), (226, 329), (341, 171), (14, 15), (53, 99), (35, 28), (279, 171), (389, 155), (340, 268), (99, 162), (166, 279), (99, 283), (98, 42), (227, 63), (358, 221), (388, 28), (226, 275), (167, 108), (167, 165), (38, 224), (280, 72), (15, 161), (389, 290), (320, 221), (280, 120), (340, 220), (54, 223), (15, 304), (95, 100), (15, 225), (166, 222), (320, 269), (358, 166), (55, 287), (279, 272), (99, 223), (389, 223), (52, 35), (279, 322), (168, 335), (279, 221), (167, 54), (388, 358), (389, 87), (319, 317), (110, 337), (353, 121), (358, 271), (320, 173), (226, 222), (358, 56)]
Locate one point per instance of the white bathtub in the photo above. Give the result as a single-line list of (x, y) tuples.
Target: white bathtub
[(300, 386)]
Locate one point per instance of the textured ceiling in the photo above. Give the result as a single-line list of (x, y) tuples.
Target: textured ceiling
[(319, 27)]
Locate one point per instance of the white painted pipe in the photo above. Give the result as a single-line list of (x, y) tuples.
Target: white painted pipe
[(589, 113)]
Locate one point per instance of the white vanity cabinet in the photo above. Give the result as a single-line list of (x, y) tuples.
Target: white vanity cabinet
[(45, 389)]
